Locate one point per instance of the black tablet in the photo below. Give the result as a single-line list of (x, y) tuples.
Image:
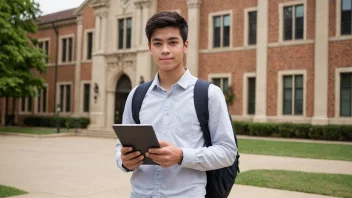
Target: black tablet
[(140, 137)]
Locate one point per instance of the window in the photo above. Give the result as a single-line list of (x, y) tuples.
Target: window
[(251, 96), (346, 94), (89, 45), (86, 97), (44, 45), (223, 83), (42, 100), (293, 95), (252, 28), (346, 17), (125, 33), (65, 98), (67, 50), (293, 22), (26, 104), (221, 31)]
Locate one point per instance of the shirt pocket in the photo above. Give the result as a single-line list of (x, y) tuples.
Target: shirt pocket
[(186, 121)]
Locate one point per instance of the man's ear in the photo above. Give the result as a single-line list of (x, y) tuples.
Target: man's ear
[(185, 47)]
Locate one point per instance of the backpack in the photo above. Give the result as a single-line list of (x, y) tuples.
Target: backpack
[(219, 181)]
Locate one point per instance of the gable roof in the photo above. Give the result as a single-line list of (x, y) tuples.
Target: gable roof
[(58, 16)]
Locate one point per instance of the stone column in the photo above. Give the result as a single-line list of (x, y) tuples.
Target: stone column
[(262, 61), (138, 22), (321, 67), (103, 32), (78, 101), (110, 108), (193, 36), (97, 33)]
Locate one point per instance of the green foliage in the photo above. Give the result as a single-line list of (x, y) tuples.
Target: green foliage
[(19, 57), (289, 130), (67, 122), (6, 191), (229, 95)]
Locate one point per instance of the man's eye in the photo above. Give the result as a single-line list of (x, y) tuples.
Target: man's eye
[(157, 44), (173, 43)]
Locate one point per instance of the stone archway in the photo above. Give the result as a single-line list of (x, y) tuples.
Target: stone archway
[(123, 88)]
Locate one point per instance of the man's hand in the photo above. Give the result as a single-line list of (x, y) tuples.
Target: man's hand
[(131, 160), (166, 156)]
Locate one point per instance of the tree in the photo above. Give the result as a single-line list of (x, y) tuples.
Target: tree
[(19, 56)]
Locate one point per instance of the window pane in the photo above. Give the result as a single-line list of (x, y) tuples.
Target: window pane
[(299, 81), (217, 82), (251, 95), (64, 43), (62, 97), (68, 98), (90, 45), (70, 49), (288, 23), (44, 99), (287, 81), (299, 22), (252, 31), (86, 97), (128, 33), (40, 45), (29, 104), (346, 5), (217, 32), (346, 17), (299, 101), (47, 51), (226, 31), (287, 95), (346, 94), (121, 30), (225, 84), (39, 101)]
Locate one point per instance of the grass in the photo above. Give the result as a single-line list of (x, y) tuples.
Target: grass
[(29, 130), (296, 149), (6, 191), (316, 183)]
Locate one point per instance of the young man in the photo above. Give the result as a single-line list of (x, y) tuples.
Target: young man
[(169, 107)]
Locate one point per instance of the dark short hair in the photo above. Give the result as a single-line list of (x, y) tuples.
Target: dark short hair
[(166, 19)]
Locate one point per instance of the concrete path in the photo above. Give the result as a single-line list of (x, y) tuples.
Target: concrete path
[(82, 167)]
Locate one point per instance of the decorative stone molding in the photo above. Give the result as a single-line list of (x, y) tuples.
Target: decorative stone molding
[(125, 3), (138, 5), (100, 4), (120, 61), (79, 20), (58, 23), (193, 3), (142, 3)]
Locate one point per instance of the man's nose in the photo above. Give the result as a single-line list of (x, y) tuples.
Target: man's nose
[(165, 49)]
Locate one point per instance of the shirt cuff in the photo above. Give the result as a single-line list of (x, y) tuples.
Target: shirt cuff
[(189, 156), (119, 163)]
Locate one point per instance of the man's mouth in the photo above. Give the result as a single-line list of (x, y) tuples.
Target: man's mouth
[(166, 59)]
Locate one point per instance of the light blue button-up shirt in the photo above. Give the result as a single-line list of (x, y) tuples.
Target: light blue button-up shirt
[(174, 119)]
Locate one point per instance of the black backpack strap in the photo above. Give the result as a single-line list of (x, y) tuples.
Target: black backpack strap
[(201, 106), (137, 100)]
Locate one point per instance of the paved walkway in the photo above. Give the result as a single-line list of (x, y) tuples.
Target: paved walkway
[(82, 167)]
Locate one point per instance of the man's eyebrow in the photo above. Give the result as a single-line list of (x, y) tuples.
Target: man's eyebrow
[(171, 38), (156, 39)]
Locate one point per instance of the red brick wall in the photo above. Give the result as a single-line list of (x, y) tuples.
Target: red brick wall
[(290, 58), (235, 63), (340, 55), (332, 18), (173, 5)]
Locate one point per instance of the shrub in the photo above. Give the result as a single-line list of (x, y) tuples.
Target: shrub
[(67, 122), (241, 128)]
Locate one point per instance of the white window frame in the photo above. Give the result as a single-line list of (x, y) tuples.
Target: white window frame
[(47, 101), (211, 28), (116, 43), (246, 25), (338, 22), (82, 95), (25, 112), (245, 92), (43, 40), (220, 75), (85, 45), (63, 107), (338, 72), (67, 51), (280, 94), (281, 21)]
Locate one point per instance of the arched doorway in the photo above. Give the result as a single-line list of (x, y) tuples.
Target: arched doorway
[(123, 88)]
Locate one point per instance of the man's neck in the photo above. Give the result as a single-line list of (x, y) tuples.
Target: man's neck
[(169, 78)]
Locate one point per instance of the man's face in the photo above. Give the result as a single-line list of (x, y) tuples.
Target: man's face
[(167, 48)]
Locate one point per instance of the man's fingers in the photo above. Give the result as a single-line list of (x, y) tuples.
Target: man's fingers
[(125, 150), (158, 151), (134, 161), (164, 143), (130, 155)]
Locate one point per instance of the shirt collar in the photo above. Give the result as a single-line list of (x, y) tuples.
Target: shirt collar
[(183, 82)]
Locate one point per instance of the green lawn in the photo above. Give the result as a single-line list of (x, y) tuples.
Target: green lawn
[(29, 130), (296, 149), (6, 191), (316, 183)]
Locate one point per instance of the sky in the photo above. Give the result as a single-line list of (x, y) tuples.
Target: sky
[(51, 6)]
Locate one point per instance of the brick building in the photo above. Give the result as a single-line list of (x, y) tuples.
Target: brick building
[(287, 60)]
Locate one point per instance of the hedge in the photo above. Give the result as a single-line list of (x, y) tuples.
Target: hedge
[(288, 130), (66, 122)]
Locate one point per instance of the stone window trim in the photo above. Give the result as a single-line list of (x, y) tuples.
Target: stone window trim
[(116, 32), (210, 27), (220, 75), (338, 72), (281, 21), (63, 108), (338, 35), (280, 81), (25, 112), (246, 25), (85, 45), (67, 36), (245, 93), (81, 109), (43, 40), (47, 102)]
